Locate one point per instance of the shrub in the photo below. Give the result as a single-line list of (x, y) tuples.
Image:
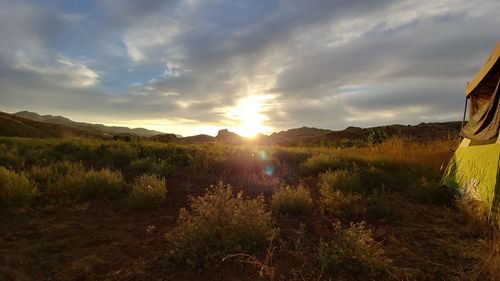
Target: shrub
[(69, 180), (379, 205), (10, 158), (340, 180), (218, 224), (292, 200), (148, 191), (352, 249), (77, 184), (346, 206), (103, 183), (15, 189)]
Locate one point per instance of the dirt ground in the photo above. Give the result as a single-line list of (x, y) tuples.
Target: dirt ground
[(104, 241)]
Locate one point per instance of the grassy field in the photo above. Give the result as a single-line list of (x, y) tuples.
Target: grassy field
[(107, 210)]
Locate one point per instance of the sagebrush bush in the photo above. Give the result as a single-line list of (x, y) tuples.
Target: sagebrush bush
[(379, 205), (10, 158), (69, 180), (218, 224), (15, 188), (148, 191), (76, 183), (344, 205), (298, 200), (352, 249), (343, 180), (104, 183)]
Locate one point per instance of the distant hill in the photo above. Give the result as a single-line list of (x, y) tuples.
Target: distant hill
[(96, 129), (198, 139), (15, 126), (225, 136), (297, 133), (30, 124), (422, 131)]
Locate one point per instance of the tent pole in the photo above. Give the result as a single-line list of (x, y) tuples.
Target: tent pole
[(465, 111)]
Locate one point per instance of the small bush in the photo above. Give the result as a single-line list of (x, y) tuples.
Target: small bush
[(344, 205), (69, 180), (15, 189), (10, 158), (343, 180), (352, 249), (103, 183), (380, 206), (148, 191), (77, 184), (432, 192), (218, 224), (292, 200)]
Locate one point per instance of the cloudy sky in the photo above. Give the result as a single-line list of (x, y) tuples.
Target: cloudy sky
[(196, 66)]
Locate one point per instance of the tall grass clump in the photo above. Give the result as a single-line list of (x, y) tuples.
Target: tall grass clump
[(104, 183), (290, 200), (476, 215), (76, 183), (15, 188), (322, 162), (352, 249), (342, 180), (218, 224), (148, 191), (488, 257)]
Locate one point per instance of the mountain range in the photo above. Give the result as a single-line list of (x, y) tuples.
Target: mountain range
[(30, 124), (94, 129)]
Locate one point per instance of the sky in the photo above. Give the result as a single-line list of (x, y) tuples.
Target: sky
[(196, 66)]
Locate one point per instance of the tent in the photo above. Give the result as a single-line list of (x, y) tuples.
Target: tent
[(474, 169)]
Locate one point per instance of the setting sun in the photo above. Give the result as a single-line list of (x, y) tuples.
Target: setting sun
[(248, 113)]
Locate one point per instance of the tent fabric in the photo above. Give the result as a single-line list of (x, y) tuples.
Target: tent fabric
[(485, 122), (486, 78), (473, 171)]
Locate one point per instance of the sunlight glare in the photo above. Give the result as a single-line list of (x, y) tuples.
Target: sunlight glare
[(248, 113)]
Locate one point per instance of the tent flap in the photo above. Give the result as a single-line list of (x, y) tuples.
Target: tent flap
[(485, 123)]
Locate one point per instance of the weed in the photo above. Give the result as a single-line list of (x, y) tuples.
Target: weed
[(219, 224), (292, 200), (15, 188), (148, 191), (352, 249), (343, 180)]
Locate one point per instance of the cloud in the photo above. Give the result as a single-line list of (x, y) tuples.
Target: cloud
[(325, 63)]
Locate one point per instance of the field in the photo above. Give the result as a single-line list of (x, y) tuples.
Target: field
[(111, 210)]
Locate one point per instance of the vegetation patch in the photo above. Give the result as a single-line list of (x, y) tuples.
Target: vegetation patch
[(218, 224), (290, 200), (352, 249), (343, 180), (148, 192), (15, 188)]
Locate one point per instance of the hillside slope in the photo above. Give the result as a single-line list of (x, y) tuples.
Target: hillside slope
[(92, 128), (15, 126)]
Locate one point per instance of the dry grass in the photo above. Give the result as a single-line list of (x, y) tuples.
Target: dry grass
[(290, 200)]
